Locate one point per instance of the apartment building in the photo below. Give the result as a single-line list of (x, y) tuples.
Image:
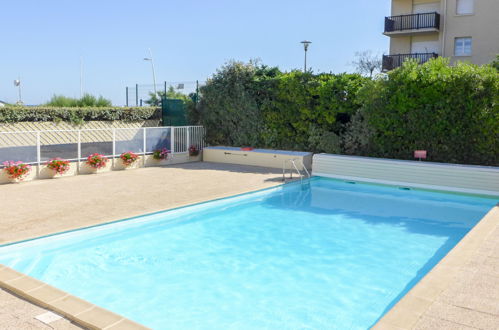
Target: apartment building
[(463, 30)]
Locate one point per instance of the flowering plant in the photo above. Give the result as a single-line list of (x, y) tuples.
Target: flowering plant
[(96, 160), (193, 150), (129, 158), (16, 170), (160, 154), (59, 165)]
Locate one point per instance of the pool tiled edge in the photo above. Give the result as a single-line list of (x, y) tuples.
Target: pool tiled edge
[(75, 309), (408, 311)]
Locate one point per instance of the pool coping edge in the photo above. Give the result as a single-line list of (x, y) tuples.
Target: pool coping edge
[(413, 305), (79, 311)]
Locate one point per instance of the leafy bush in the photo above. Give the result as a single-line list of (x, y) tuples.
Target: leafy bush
[(229, 108), (86, 101), (171, 93), (256, 105), (12, 114), (451, 111)]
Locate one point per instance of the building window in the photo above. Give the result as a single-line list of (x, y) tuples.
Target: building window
[(465, 7), (462, 47)]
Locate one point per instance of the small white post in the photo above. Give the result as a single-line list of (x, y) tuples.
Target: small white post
[(144, 147), (172, 140), (79, 152), (188, 137), (38, 153), (114, 145)]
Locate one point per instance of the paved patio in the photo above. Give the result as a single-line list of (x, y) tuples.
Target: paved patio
[(42, 207)]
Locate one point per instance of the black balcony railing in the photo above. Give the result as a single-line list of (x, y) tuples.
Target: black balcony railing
[(391, 62), (412, 22)]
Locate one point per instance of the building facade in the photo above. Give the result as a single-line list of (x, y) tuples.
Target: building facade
[(463, 30)]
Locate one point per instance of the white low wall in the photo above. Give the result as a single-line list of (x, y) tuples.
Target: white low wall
[(418, 174), (77, 168), (257, 157)]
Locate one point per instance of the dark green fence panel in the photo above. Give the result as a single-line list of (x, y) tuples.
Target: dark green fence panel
[(174, 112)]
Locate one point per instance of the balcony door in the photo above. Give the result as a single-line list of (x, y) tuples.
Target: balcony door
[(425, 44), (423, 8), (430, 7)]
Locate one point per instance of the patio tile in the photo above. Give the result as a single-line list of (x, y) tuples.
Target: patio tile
[(99, 317), (126, 325), (71, 305), (47, 294), (25, 283), (463, 316), (8, 274), (431, 323)]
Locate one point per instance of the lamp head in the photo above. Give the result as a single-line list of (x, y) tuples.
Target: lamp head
[(306, 43)]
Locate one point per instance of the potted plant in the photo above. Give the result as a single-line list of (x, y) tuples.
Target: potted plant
[(58, 165), (97, 161), (17, 171), (160, 154), (128, 158), (193, 150)]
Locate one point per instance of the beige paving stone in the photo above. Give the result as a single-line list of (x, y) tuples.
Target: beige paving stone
[(427, 291), (18, 314), (71, 305), (25, 283), (401, 317), (386, 326), (431, 323), (471, 301), (463, 316), (47, 293), (7, 274), (99, 317), (126, 325)]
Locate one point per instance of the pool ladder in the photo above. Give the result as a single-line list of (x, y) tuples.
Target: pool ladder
[(293, 166)]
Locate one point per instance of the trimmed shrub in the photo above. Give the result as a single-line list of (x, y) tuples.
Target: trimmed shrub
[(75, 115), (451, 111)]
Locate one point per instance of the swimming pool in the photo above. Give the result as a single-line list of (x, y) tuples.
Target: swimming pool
[(328, 254)]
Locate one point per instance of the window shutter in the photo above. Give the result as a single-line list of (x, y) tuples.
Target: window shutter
[(464, 7)]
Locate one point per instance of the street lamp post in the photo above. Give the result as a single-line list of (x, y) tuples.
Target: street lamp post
[(306, 43), (17, 83), (153, 73)]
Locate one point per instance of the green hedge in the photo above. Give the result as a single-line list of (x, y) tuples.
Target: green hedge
[(451, 111), (12, 114), (254, 105)]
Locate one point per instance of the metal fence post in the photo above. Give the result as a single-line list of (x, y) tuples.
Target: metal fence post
[(38, 153), (172, 140), (136, 95), (144, 146), (114, 144), (79, 152), (188, 137)]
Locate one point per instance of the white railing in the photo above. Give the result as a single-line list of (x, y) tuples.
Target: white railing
[(37, 147)]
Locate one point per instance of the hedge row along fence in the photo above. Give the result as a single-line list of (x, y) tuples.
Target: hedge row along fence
[(13, 114), (450, 111)]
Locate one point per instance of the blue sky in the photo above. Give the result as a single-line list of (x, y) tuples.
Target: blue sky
[(42, 41)]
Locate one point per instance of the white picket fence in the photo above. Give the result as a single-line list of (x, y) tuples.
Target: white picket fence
[(37, 147)]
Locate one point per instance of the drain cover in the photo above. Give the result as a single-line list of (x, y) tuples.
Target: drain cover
[(48, 317)]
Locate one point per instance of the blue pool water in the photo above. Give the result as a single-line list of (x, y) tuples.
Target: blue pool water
[(324, 255)]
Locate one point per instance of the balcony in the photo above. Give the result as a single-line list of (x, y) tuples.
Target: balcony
[(413, 23), (391, 62)]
